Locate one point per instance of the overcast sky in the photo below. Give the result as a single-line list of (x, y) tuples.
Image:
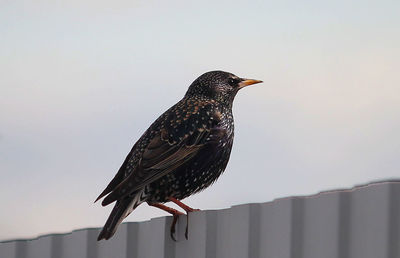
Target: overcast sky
[(80, 81)]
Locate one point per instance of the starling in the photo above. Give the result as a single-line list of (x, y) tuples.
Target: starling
[(184, 151)]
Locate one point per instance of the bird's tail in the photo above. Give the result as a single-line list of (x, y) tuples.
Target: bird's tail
[(120, 211)]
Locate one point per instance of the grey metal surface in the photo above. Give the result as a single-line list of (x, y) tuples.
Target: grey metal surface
[(363, 222)]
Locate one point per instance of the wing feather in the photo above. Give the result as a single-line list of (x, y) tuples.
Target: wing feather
[(160, 158), (118, 178)]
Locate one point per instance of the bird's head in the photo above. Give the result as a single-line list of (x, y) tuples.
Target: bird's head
[(218, 85)]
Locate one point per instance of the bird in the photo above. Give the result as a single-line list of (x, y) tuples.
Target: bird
[(183, 152)]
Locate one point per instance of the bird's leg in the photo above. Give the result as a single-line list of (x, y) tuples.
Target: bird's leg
[(187, 209), (172, 211), (182, 205)]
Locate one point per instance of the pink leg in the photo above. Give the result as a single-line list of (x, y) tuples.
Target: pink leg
[(182, 205)]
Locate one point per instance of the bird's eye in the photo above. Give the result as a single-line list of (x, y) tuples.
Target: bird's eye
[(232, 81)]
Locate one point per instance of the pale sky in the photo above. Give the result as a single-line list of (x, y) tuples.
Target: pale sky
[(80, 81)]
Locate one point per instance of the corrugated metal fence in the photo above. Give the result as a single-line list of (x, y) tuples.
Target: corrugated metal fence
[(360, 223)]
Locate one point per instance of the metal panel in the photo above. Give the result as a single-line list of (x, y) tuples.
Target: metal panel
[(40, 247), (115, 247), (8, 249), (275, 229), (361, 222), (75, 244), (196, 245), (369, 227), (321, 214)]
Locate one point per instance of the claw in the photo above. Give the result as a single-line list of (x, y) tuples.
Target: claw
[(176, 214), (187, 227), (172, 211), (187, 209), (187, 222), (173, 227)]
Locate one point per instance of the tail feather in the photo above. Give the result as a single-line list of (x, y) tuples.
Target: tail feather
[(120, 211)]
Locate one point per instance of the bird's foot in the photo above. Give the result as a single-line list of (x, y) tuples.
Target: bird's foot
[(172, 233), (187, 209), (174, 213)]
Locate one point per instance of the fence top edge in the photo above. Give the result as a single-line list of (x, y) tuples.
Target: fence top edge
[(393, 181)]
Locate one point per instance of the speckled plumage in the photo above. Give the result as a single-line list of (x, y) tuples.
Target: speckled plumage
[(184, 151)]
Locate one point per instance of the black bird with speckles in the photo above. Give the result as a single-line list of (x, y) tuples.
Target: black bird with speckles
[(184, 151)]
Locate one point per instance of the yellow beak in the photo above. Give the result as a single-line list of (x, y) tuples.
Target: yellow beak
[(248, 82)]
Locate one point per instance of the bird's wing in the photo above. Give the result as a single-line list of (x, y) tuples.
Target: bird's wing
[(159, 158), (119, 177), (164, 153)]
